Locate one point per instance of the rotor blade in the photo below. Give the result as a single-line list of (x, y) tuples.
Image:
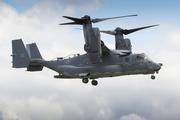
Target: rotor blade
[(102, 19), (72, 18), (76, 21), (109, 32), (136, 29), (70, 23)]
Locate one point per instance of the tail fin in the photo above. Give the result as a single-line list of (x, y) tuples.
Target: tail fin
[(34, 53), (20, 56)]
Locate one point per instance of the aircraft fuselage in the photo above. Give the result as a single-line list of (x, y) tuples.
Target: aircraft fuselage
[(111, 66)]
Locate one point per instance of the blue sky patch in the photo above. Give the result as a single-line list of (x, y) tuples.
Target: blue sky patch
[(20, 6)]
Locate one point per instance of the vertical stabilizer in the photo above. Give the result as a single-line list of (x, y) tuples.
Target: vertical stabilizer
[(19, 54), (33, 51)]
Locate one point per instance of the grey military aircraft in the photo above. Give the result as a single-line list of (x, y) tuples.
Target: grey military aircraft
[(98, 62)]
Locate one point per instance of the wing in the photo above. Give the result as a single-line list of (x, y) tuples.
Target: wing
[(105, 49)]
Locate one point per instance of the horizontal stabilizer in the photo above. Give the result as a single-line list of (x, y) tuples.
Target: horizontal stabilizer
[(34, 68)]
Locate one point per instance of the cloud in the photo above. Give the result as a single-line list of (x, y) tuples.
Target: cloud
[(175, 37), (24, 109), (1, 116), (83, 6), (132, 117)]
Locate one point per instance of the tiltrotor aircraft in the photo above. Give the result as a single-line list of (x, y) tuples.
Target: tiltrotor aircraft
[(98, 62)]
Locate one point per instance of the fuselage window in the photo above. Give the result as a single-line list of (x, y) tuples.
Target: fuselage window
[(127, 61)]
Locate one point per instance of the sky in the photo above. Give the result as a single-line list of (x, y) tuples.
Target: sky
[(38, 96)]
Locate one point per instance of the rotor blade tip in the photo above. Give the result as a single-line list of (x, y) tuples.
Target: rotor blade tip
[(155, 25), (134, 15)]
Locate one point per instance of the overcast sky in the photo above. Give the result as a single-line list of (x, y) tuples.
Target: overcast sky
[(38, 96)]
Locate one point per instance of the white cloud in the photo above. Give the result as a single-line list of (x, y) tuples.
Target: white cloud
[(175, 37), (82, 6), (132, 117), (31, 108)]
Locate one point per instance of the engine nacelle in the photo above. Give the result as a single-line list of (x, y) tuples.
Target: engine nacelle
[(128, 44), (124, 45), (94, 50)]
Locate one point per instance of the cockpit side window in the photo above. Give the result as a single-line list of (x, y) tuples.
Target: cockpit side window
[(142, 58), (139, 59)]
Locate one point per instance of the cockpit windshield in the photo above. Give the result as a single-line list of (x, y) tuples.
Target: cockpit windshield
[(142, 58)]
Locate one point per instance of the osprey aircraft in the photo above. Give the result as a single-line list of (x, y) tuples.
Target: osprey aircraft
[(98, 62)]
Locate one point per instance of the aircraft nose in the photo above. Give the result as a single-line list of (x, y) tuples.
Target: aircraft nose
[(155, 66), (160, 64)]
